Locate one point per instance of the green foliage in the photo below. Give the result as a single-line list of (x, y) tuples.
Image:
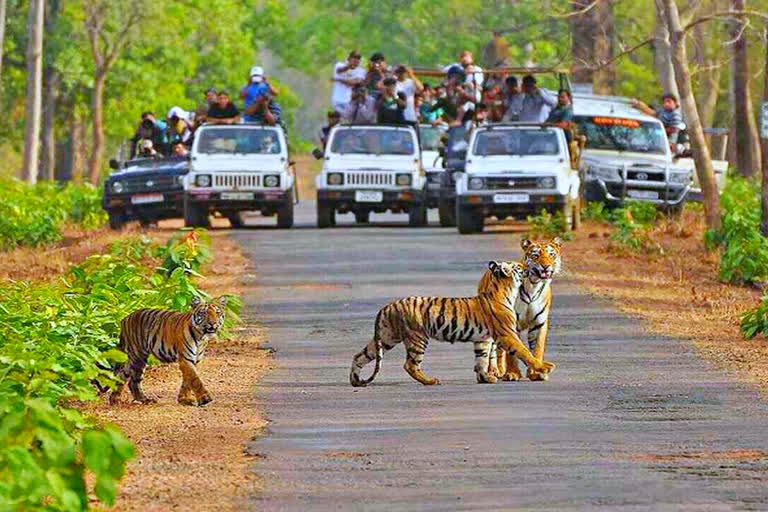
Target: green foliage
[(55, 340), (188, 250), (597, 211), (745, 251), (755, 321), (631, 222), (547, 225), (34, 215)]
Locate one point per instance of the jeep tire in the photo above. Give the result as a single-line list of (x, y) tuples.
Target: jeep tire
[(194, 216), (446, 210), (326, 215), (469, 219), (417, 215), (362, 217), (285, 212), (116, 220)]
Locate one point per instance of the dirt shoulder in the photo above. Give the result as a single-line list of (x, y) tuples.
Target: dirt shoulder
[(675, 290)]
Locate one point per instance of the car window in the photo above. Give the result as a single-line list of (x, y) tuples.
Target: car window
[(238, 140), (621, 134), (373, 141), (516, 142)]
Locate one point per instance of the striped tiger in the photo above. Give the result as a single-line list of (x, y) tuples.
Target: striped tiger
[(533, 307), (415, 320), (169, 336)]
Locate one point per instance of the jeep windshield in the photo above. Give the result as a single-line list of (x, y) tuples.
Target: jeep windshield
[(247, 141), (518, 142), (430, 137), (373, 141), (619, 134)]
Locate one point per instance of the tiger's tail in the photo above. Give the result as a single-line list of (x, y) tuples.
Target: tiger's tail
[(362, 358)]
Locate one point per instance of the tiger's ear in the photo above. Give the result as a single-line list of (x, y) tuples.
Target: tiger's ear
[(498, 269), (222, 301), (195, 302), (525, 244), (557, 241)]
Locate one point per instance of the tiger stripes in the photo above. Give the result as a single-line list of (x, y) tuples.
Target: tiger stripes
[(169, 336), (417, 320)]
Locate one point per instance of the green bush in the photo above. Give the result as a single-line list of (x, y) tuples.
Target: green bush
[(55, 339), (34, 215), (547, 225)]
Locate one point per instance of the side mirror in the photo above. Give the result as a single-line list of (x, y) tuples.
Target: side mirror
[(114, 164), (317, 153)]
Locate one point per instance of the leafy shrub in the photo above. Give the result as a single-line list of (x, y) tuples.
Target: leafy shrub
[(755, 321), (744, 258), (597, 211), (187, 250), (547, 225), (33, 215), (55, 339)]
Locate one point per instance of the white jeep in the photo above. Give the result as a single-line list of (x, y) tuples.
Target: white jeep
[(236, 168), (516, 170), (371, 168)]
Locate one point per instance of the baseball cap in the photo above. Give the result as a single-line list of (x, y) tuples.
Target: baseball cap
[(257, 74)]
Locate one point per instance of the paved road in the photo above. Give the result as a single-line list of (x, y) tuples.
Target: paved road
[(627, 422)]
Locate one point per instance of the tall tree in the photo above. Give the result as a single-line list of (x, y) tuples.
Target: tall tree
[(764, 110), (747, 143), (602, 43), (701, 155), (50, 93), (110, 27), (34, 89), (662, 52), (591, 24)]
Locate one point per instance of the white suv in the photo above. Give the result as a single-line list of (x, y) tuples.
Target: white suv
[(516, 170), (371, 168), (236, 168)]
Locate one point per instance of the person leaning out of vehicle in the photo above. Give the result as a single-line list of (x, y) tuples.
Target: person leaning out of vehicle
[(333, 119), (223, 111), (562, 117), (390, 108), (536, 103), (150, 129), (361, 109), (180, 126), (669, 115), (179, 150)]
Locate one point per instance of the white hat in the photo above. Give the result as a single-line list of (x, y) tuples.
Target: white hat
[(178, 112), (257, 74)]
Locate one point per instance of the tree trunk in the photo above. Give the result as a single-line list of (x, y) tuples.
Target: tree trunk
[(2, 33), (701, 155), (48, 156), (97, 113), (747, 143), (76, 147), (709, 73), (34, 89), (602, 44), (662, 52), (764, 224), (582, 50)]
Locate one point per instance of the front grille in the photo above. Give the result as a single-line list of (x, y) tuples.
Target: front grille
[(511, 183), (157, 183), (242, 181), (645, 175), (369, 178)]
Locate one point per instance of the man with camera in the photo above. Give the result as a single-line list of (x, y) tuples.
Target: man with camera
[(361, 109), (346, 75), (152, 130)]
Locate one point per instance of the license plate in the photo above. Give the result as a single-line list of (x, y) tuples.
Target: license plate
[(237, 196), (643, 194), (369, 196), (511, 198), (147, 198)]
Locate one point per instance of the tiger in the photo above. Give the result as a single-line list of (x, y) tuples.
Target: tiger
[(542, 262), (169, 336), (415, 320)]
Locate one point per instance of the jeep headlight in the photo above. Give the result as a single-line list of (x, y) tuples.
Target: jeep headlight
[(335, 178), (680, 177), (117, 187), (548, 182), (203, 180), (476, 183), (271, 180), (403, 180)]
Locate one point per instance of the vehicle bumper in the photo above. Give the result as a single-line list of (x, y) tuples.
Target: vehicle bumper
[(172, 205), (261, 200), (535, 204), (669, 194), (396, 200)]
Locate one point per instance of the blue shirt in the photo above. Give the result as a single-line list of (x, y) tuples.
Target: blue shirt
[(255, 91)]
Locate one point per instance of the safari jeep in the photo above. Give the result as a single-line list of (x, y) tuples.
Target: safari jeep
[(145, 189), (236, 168), (627, 155), (516, 170), (371, 168)]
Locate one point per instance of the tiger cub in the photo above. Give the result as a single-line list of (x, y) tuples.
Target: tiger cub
[(415, 320), (533, 307), (169, 336)]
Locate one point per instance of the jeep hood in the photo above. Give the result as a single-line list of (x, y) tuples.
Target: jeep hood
[(370, 162), (238, 162), (492, 165), (628, 158)]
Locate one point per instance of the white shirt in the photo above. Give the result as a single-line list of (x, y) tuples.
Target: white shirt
[(342, 93), (408, 88)]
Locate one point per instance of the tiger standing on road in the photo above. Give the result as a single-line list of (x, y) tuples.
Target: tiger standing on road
[(415, 320), (169, 336), (533, 307)]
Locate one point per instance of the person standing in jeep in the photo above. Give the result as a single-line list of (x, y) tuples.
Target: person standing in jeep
[(346, 75)]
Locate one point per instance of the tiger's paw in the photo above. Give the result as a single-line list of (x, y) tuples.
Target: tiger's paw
[(542, 367), (486, 378), (205, 399), (431, 381), (511, 377), (536, 376)]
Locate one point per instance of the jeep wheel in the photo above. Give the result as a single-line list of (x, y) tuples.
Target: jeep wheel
[(194, 216), (326, 215), (363, 217), (285, 213), (235, 221), (469, 220), (116, 221), (446, 209), (417, 215)]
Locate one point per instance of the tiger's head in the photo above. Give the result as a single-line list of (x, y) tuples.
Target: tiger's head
[(509, 273), (542, 259), (208, 317)]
